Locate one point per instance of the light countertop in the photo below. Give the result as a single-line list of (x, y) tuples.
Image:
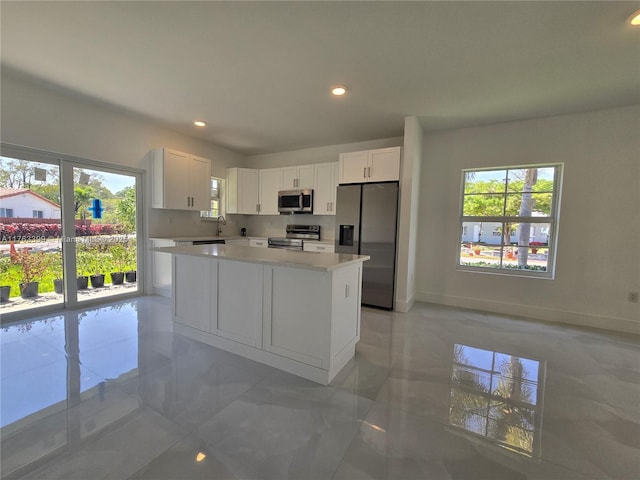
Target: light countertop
[(197, 238), (269, 256), (228, 237)]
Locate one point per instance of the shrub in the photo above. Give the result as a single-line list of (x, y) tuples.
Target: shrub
[(26, 231)]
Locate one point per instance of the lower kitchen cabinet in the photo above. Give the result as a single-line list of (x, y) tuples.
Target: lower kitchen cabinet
[(303, 321), (192, 299), (319, 247), (236, 309)]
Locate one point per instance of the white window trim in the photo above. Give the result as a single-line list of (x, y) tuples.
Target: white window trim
[(553, 220), (221, 201)]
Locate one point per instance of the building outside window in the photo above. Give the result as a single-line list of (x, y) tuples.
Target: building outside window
[(6, 212), (217, 185), (38, 214), (514, 203)]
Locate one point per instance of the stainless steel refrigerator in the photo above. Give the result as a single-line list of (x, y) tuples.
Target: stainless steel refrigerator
[(366, 220)]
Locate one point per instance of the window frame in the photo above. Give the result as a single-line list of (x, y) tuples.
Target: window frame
[(205, 215), (552, 220)]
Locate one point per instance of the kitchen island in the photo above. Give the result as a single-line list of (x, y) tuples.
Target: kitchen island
[(295, 311)]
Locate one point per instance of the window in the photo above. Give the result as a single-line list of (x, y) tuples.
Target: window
[(6, 212), (38, 214), (216, 199), (513, 203)]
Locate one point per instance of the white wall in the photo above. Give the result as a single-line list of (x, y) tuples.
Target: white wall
[(271, 225), (37, 117), (24, 204), (596, 268), (324, 154)]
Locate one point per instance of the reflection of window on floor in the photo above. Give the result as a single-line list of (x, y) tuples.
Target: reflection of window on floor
[(498, 396)]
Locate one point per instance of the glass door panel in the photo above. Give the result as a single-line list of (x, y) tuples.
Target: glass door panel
[(105, 230), (31, 273)]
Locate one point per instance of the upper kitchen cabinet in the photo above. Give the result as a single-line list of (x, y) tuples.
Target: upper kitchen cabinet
[(242, 190), (324, 189), (380, 165), (270, 185), (302, 176), (180, 181)]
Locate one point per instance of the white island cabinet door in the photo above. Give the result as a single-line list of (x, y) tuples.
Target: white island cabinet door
[(239, 303), (297, 316), (192, 300)]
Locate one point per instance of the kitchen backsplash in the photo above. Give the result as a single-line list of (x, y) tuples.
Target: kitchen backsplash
[(167, 223), (274, 225)]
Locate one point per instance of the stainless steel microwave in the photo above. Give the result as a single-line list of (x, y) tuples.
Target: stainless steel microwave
[(295, 201)]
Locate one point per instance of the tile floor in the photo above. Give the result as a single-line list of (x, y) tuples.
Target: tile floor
[(438, 393)]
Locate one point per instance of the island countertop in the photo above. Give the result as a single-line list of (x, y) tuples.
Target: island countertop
[(269, 256)]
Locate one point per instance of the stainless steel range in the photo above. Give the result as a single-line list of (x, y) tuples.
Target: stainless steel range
[(296, 234)]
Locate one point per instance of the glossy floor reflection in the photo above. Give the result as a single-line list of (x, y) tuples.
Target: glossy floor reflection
[(438, 393)]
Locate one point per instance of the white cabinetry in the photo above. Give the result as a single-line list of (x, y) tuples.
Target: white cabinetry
[(324, 189), (302, 176), (266, 313), (242, 190), (161, 268), (237, 302), (259, 242), (270, 185), (192, 288), (319, 247), (379, 165), (241, 242), (180, 181)]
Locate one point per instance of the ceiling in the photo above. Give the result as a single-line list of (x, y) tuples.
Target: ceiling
[(259, 73)]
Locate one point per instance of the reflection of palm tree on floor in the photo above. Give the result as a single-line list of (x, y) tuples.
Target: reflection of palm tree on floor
[(497, 404)]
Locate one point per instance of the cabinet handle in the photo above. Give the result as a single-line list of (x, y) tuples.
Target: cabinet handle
[(369, 172), (364, 172), (346, 291)]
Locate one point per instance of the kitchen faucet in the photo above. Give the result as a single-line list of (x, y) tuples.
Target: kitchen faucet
[(218, 229)]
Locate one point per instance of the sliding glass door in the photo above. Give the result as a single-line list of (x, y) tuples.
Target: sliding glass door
[(69, 232), (106, 242), (31, 247)]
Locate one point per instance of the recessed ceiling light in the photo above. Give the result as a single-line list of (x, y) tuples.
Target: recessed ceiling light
[(200, 457), (200, 123), (339, 90), (634, 19)]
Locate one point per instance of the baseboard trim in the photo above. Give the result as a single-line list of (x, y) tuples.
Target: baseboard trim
[(404, 306), (538, 313)]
